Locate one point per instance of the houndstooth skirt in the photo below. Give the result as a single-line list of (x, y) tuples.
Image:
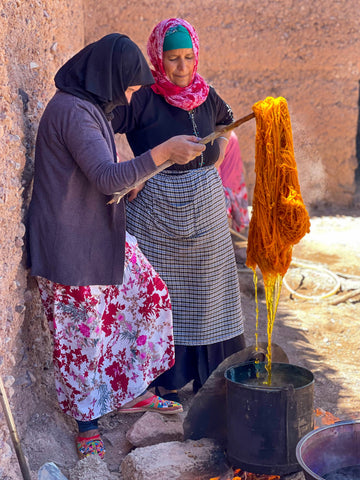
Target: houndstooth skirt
[(180, 222)]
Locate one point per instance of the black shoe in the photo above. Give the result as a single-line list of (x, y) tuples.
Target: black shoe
[(172, 396), (196, 385)]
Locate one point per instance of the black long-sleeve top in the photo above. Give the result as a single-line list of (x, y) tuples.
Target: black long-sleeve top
[(150, 120)]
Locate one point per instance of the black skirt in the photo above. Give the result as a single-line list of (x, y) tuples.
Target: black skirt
[(197, 363)]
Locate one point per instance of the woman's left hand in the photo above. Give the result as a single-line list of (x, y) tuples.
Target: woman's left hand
[(134, 192)]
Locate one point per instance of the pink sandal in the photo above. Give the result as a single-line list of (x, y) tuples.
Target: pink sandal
[(154, 404), (90, 446)]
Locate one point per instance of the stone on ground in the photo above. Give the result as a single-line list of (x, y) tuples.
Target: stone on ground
[(91, 468), (49, 471), (201, 459), (153, 428)]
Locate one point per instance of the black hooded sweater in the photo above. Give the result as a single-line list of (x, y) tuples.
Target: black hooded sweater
[(74, 237)]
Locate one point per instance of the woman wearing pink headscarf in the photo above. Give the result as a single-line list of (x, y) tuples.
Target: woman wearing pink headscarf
[(179, 217), (232, 176)]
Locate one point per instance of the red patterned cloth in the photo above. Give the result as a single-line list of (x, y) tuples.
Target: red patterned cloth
[(188, 97), (110, 341)]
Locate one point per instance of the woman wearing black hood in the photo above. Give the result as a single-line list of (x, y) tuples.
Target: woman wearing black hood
[(108, 310)]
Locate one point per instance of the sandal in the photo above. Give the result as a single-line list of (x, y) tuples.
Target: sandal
[(154, 404), (90, 446)]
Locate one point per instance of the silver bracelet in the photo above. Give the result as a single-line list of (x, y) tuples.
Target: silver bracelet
[(224, 138)]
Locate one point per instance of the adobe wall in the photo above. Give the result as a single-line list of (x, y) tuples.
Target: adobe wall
[(304, 51), (36, 37)]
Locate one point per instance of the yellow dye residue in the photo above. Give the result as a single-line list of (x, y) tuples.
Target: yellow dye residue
[(279, 217)]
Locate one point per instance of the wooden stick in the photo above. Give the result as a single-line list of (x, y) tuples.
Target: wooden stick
[(346, 296), (210, 138), (13, 434), (237, 234), (227, 128)]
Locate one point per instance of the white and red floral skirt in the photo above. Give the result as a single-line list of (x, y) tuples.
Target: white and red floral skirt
[(110, 341)]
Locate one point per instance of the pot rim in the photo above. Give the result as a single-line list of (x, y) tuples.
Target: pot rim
[(269, 387), (312, 434)]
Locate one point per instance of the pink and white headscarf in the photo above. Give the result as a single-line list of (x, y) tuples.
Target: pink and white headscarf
[(188, 97)]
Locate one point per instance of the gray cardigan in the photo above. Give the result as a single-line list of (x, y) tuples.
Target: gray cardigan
[(74, 237)]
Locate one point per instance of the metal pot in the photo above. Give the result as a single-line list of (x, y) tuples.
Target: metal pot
[(265, 423), (329, 449)]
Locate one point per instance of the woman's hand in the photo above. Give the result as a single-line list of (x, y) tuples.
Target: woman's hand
[(180, 149), (134, 192)]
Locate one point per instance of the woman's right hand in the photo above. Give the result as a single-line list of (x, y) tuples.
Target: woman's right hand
[(180, 149)]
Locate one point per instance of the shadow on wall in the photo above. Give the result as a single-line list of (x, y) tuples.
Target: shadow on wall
[(29, 136)]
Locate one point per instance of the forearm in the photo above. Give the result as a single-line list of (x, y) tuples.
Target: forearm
[(160, 154), (110, 178), (222, 141)]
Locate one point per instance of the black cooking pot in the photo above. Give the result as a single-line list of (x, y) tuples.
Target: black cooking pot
[(265, 423), (325, 451)]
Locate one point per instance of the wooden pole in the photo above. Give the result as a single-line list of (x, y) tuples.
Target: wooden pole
[(213, 136), (13, 433)]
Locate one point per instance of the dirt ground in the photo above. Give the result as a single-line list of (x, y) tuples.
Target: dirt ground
[(314, 333)]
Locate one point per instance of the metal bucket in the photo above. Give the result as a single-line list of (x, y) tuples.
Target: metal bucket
[(325, 451), (265, 423)]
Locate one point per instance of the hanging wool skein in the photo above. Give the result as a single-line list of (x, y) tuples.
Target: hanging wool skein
[(279, 217)]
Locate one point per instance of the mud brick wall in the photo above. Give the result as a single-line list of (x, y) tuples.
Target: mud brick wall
[(36, 37), (307, 52)]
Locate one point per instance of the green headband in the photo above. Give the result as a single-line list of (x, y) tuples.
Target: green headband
[(177, 37)]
